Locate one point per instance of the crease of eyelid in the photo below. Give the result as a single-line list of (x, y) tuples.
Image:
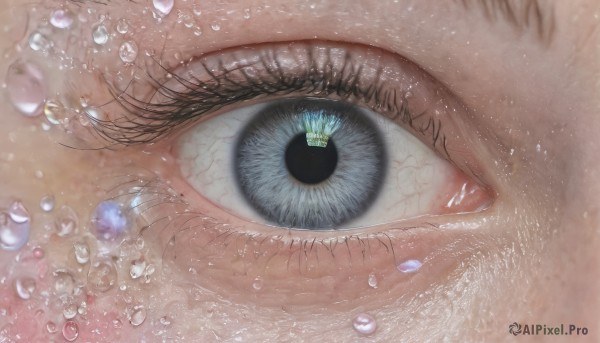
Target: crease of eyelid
[(521, 14)]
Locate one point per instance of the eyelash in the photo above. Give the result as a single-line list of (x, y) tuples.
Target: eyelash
[(146, 121)]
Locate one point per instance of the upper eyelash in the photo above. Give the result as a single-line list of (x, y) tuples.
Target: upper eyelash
[(145, 121)]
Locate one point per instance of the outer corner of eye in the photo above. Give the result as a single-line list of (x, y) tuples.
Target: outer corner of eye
[(320, 164)]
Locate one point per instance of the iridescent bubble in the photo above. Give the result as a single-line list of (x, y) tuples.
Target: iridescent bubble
[(372, 280), (257, 284), (25, 286), (47, 203), (102, 276), (13, 236), (164, 7), (51, 327), (409, 266), (55, 112), (110, 220), (70, 330), (100, 34), (26, 88), (61, 19), (364, 324), (128, 52)]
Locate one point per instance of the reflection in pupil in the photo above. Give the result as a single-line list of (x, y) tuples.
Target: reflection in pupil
[(310, 164)]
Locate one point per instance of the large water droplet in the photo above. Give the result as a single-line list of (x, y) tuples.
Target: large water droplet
[(110, 220), (100, 34), (70, 331), (13, 236), (128, 52), (364, 324), (61, 19), (66, 221), (137, 268), (138, 316), (26, 88), (47, 203), (164, 7), (82, 252), (102, 276), (55, 112), (25, 286), (39, 42)]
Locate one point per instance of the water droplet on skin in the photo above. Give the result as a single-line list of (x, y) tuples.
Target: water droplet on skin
[(18, 213), (100, 34), (102, 276), (372, 280), (137, 269), (70, 311), (25, 287), (39, 42), (82, 309), (38, 253), (122, 26), (364, 324), (51, 327), (196, 10), (66, 221), (164, 7), (247, 13), (64, 283), (110, 220), (55, 112), (215, 27), (257, 284), (47, 203), (409, 266), (82, 252), (128, 52), (70, 331), (165, 321), (138, 317), (13, 236), (26, 88), (117, 323), (61, 19)]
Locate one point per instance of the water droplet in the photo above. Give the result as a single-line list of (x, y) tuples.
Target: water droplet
[(215, 26), (100, 34), (165, 321), (70, 331), (13, 236), (372, 280), (61, 19), (39, 42), (247, 13), (18, 213), (38, 252), (64, 283), (257, 284), (102, 276), (196, 10), (409, 266), (110, 220), (25, 286), (82, 309), (70, 311), (128, 52), (138, 316), (26, 88), (364, 324), (47, 203), (117, 323), (122, 26), (66, 221), (198, 32), (55, 112), (163, 6), (139, 243), (82, 252), (137, 268), (51, 327)]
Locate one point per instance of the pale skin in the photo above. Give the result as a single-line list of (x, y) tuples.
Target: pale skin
[(532, 257)]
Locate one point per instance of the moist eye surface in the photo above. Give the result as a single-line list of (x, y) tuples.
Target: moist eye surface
[(310, 163)]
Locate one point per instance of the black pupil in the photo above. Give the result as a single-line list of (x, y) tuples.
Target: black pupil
[(310, 164)]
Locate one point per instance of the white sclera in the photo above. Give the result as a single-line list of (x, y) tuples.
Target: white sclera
[(415, 175)]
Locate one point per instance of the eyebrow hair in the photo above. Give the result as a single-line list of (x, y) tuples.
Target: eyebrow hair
[(523, 15)]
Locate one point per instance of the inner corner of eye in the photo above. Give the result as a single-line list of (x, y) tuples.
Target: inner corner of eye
[(319, 164)]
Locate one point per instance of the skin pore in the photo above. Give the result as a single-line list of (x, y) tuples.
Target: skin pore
[(518, 104)]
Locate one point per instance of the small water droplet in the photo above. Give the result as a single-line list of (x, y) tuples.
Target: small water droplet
[(13, 236), (165, 321), (137, 268), (138, 316), (70, 331), (47, 203), (117, 323), (164, 7), (66, 221), (82, 252), (25, 286), (70, 311), (39, 42), (128, 52), (102, 276), (257, 284), (197, 10), (372, 280), (122, 26), (18, 213), (26, 88), (55, 112), (38, 252), (51, 327), (364, 324), (247, 13), (64, 283), (409, 266), (61, 19), (100, 34), (215, 26)]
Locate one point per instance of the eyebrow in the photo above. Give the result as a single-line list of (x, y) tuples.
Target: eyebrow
[(523, 15)]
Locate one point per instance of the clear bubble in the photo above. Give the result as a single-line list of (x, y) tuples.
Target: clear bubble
[(39, 42), (257, 284), (47, 203), (138, 316), (128, 52), (26, 88), (100, 34), (70, 311), (51, 327), (13, 236), (409, 266), (25, 286), (82, 252), (122, 26), (55, 112), (61, 19), (70, 331), (64, 283), (18, 212), (164, 7), (364, 324), (137, 268), (66, 221), (102, 276)]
